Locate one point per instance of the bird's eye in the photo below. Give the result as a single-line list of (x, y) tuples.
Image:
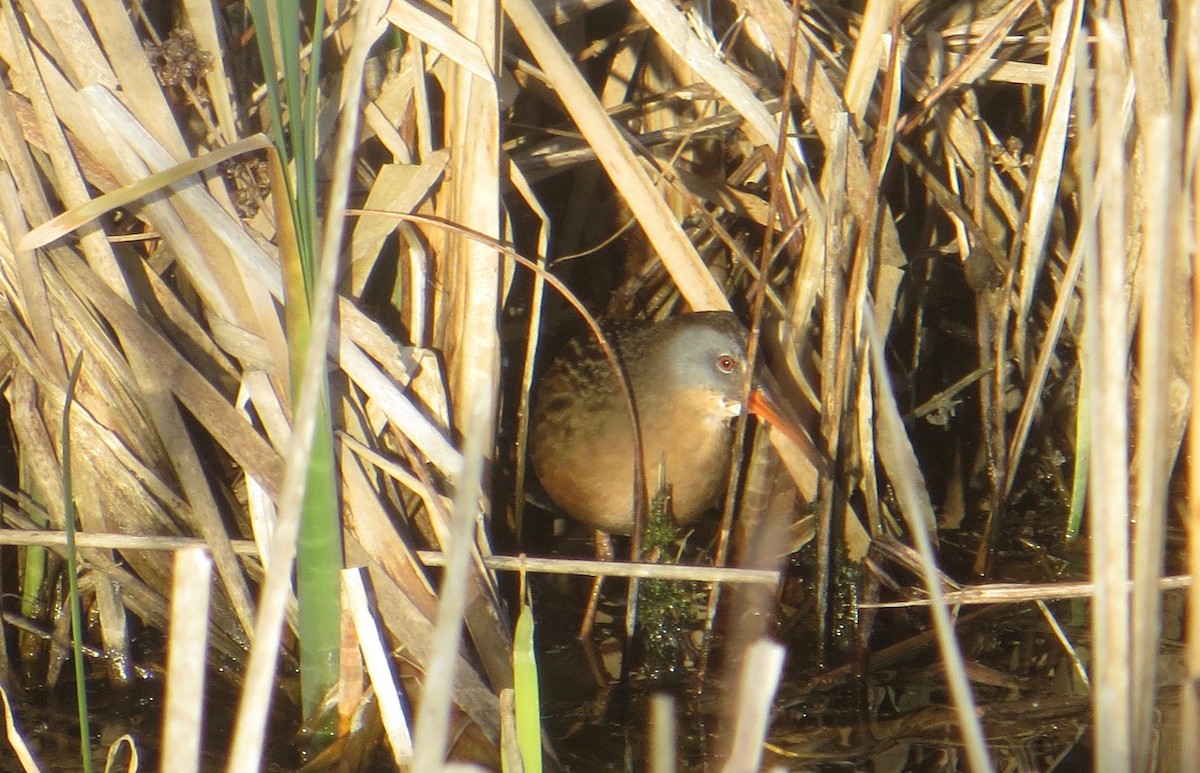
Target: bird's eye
[(726, 363)]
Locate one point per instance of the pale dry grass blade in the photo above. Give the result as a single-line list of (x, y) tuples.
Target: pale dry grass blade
[(662, 734), (114, 541), (1019, 593), (1105, 358), (869, 49), (1162, 394), (399, 188), (249, 737), (124, 748), (471, 276), (638, 569), (757, 682), (187, 644), (29, 284), (61, 29), (1154, 456), (431, 737), (865, 410), (1064, 641), (418, 485), (1049, 158), (406, 599), (202, 22), (15, 739), (1146, 34), (510, 751), (1031, 402), (387, 691), (834, 381), (536, 297)]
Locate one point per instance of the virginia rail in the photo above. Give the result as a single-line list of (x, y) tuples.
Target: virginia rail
[(687, 374)]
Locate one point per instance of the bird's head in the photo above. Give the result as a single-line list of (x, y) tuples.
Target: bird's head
[(704, 355)]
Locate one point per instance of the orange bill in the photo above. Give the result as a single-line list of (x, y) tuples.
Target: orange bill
[(770, 409)]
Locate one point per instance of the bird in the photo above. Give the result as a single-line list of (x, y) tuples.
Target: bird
[(687, 375)]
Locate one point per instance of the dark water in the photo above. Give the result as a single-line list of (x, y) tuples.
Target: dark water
[(885, 708)]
